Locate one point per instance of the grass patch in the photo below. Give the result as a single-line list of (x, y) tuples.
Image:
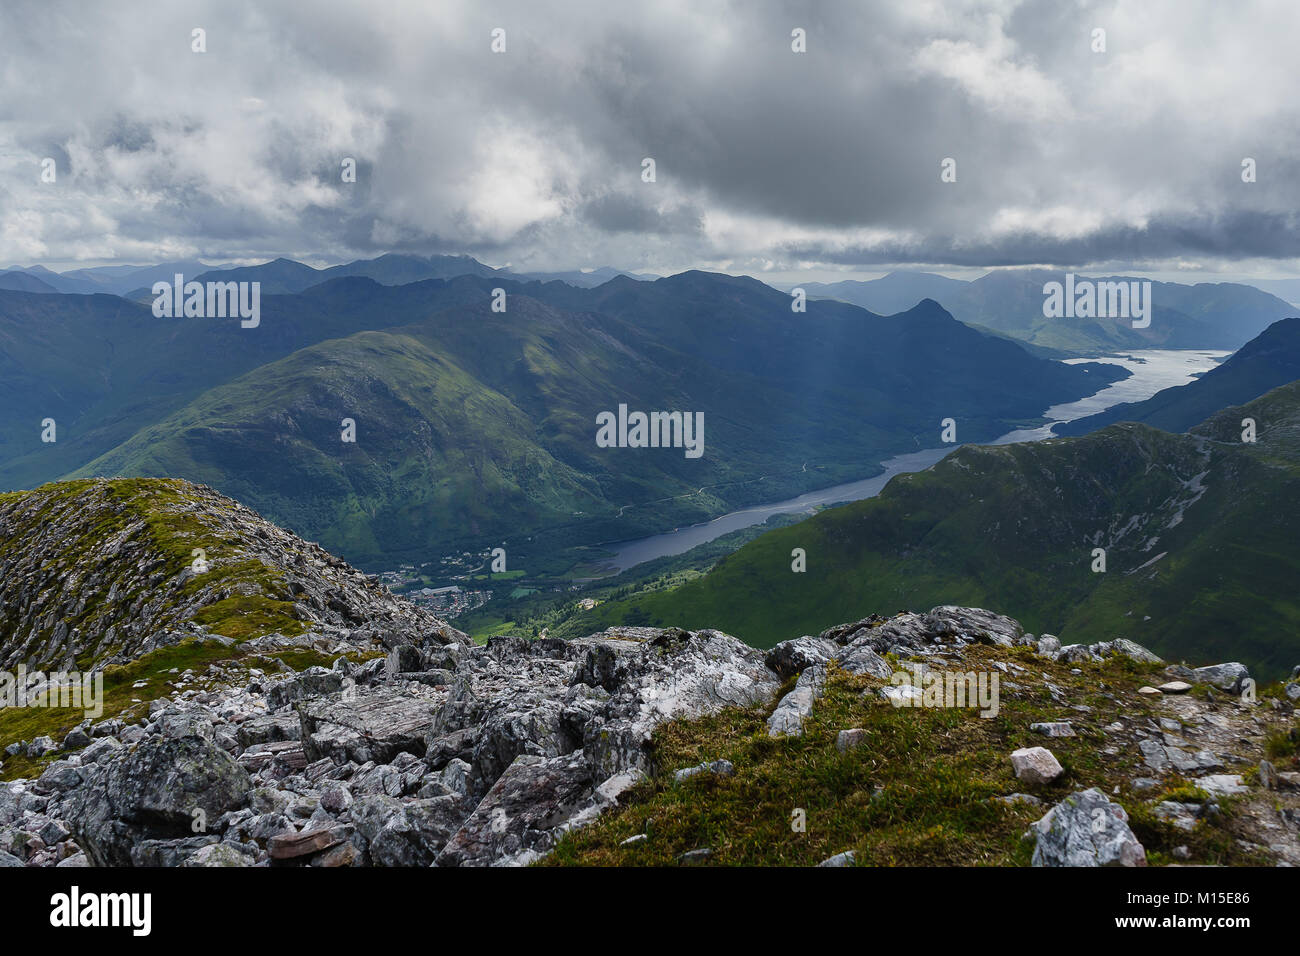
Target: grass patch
[(919, 791)]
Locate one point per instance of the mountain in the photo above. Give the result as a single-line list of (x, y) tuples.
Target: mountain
[(16, 280), (1202, 316), (895, 292), (1270, 359), (102, 572), (474, 426), (586, 280), (1200, 531), (1010, 302), (1288, 289), (286, 277), (275, 707), (103, 368)]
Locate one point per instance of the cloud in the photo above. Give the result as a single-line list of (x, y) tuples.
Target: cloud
[(533, 156)]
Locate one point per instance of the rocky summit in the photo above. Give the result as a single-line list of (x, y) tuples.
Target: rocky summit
[(274, 707)]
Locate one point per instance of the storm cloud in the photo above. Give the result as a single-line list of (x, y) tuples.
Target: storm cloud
[(765, 159)]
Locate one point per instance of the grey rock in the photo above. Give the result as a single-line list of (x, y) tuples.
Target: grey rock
[(1049, 646), (717, 768), (839, 859), (313, 682), (797, 706), (1134, 650), (1223, 785), (41, 746), (790, 657), (1154, 755), (1056, 728), (374, 724), (1016, 799), (217, 854), (671, 673), (861, 659), (269, 728), (847, 740), (1181, 815), (76, 739), (1035, 765), (406, 833), (154, 790), (1086, 829), (164, 853), (54, 832), (533, 803), (59, 776), (1230, 677)]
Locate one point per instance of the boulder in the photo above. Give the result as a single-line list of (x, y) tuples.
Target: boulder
[(1086, 829), (861, 659), (1036, 765), (406, 833), (1134, 651), (1230, 677), (313, 682), (370, 724), (790, 657), (534, 802), (797, 706), (158, 790)]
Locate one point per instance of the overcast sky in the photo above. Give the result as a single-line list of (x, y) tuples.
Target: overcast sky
[(768, 161)]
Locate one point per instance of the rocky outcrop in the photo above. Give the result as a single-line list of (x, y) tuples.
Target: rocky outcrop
[(460, 755), (441, 752), (111, 569)]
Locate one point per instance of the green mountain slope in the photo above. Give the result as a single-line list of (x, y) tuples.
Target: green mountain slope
[(1201, 535), (475, 425), (1270, 359)]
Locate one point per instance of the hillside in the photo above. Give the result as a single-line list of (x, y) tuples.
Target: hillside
[(101, 572), (475, 426), (280, 709), (1199, 532), (1270, 359)]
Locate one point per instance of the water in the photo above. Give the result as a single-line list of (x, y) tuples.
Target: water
[(1153, 370)]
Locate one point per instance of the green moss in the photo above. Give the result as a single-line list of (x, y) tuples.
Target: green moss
[(243, 616)]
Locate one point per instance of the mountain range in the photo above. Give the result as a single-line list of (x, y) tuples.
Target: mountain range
[(474, 425), (1221, 315)]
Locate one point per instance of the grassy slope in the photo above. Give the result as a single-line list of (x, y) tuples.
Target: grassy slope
[(1013, 528), (165, 522), (477, 426), (916, 792)]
